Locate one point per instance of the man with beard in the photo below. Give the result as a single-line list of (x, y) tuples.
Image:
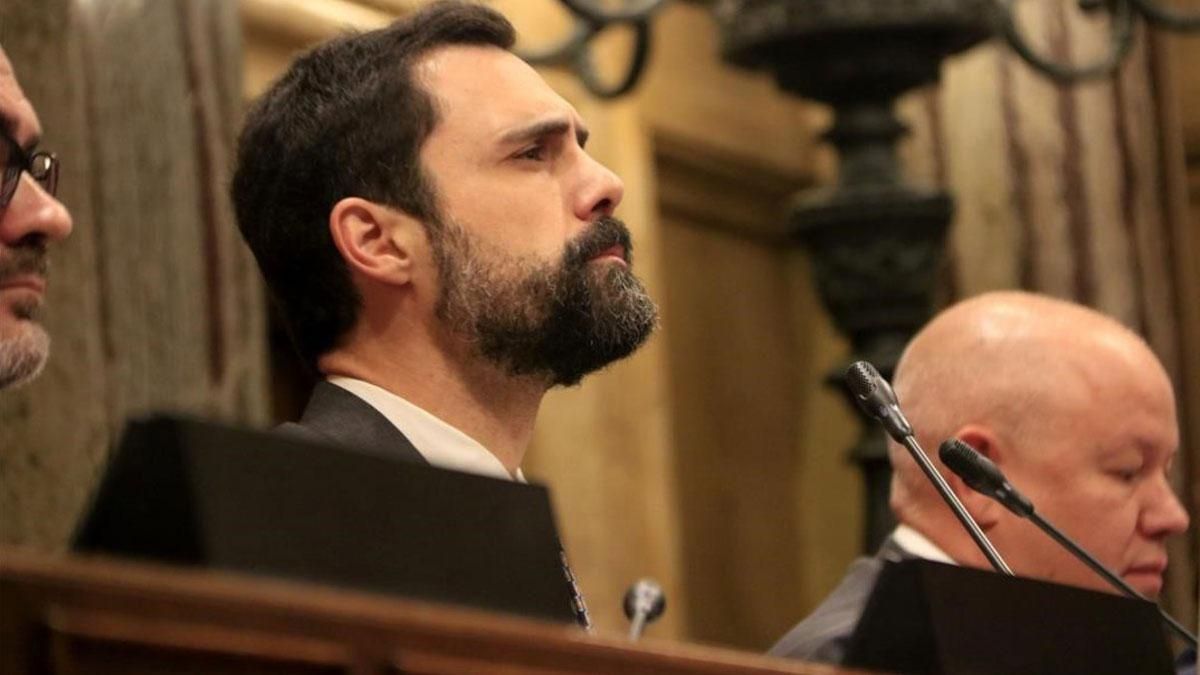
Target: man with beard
[(440, 244), (30, 218)]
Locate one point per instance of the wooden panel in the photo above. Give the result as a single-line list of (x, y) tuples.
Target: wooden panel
[(98, 642), (758, 476), (690, 93)]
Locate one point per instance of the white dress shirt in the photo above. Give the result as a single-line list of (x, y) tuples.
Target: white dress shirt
[(917, 544), (439, 443)]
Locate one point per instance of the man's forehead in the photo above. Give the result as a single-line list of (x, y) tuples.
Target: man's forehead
[(484, 90), (17, 117)]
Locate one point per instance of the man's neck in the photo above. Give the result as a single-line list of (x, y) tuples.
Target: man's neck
[(493, 408)]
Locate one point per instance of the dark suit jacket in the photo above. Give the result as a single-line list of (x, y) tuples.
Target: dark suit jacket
[(334, 415), (824, 635)]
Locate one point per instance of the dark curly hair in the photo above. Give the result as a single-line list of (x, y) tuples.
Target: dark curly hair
[(347, 119)]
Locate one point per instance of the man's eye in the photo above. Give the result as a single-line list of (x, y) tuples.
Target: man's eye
[(536, 153), (1127, 475)]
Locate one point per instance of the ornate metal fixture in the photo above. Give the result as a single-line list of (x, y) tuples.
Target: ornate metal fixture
[(876, 241), (1122, 17), (591, 19)]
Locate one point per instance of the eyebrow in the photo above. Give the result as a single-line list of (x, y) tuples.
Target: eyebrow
[(551, 127)]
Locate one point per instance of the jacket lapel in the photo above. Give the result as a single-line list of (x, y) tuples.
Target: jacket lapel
[(339, 416)]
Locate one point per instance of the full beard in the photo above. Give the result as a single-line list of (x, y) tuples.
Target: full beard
[(555, 322)]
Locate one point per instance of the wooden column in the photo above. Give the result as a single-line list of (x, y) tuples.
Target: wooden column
[(154, 303)]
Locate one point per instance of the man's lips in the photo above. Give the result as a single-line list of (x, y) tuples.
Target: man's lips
[(1146, 575), (26, 282), (616, 252)]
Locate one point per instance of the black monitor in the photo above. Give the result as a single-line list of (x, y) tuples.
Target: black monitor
[(196, 493), (929, 618)]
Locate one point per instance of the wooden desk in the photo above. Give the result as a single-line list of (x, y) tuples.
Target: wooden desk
[(67, 615)]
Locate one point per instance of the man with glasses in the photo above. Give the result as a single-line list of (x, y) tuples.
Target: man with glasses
[(30, 218)]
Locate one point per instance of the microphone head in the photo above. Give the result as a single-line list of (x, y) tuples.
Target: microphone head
[(861, 378), (976, 470), (867, 386), (877, 399), (982, 475), (645, 597)]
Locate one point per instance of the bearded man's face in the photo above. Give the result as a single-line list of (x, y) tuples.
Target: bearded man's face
[(558, 321)]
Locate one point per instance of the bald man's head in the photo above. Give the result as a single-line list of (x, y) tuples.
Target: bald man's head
[(1072, 405)]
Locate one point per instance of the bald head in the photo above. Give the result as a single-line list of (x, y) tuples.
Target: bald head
[(1011, 360), (1051, 391)]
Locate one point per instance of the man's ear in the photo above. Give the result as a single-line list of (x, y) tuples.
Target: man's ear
[(374, 240), (985, 510)]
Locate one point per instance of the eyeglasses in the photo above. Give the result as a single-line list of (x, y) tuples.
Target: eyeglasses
[(42, 166)]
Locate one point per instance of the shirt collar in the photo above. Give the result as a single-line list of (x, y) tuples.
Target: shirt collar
[(439, 443), (917, 544)]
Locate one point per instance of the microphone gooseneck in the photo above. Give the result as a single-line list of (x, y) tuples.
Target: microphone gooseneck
[(644, 602), (983, 476), (878, 400)]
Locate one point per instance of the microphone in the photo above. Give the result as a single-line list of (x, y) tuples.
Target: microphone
[(878, 400), (983, 476), (644, 602)]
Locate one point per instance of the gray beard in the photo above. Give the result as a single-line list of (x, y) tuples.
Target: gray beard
[(23, 356)]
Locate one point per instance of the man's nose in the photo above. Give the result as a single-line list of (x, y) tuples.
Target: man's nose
[(33, 213), (1164, 515), (601, 192)]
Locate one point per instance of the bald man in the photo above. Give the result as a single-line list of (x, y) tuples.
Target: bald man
[(1072, 406), (30, 219)]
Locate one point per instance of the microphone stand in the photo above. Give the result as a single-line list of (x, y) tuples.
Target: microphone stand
[(956, 505), (876, 397)]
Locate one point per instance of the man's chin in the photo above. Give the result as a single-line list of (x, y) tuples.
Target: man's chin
[(24, 349), (1147, 583)]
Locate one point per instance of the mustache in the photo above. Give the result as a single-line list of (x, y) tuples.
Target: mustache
[(601, 236), (24, 260)]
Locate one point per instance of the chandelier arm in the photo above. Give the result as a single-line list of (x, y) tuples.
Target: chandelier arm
[(564, 51), (589, 11), (1166, 17), (586, 70), (1120, 44)]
